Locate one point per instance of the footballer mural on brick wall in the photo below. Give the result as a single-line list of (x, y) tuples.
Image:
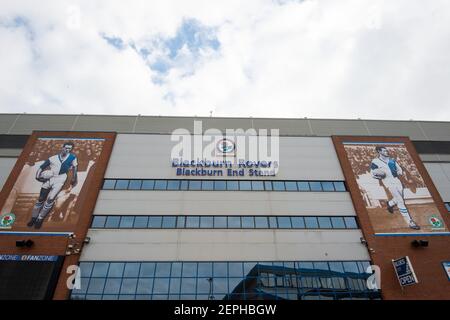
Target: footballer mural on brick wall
[(52, 184), (393, 190)]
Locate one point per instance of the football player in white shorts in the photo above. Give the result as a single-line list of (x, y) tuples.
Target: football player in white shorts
[(53, 174), (388, 171)]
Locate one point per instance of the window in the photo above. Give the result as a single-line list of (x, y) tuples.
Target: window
[(160, 185), (339, 186), (140, 222), (109, 184), (207, 185), (257, 185), (311, 223), (298, 222), (234, 222), (248, 222), (126, 222), (220, 222), (181, 222), (220, 185), (169, 222), (122, 184), (173, 185), (291, 186), (148, 184), (303, 185), (273, 223), (206, 222), (268, 185), (350, 222), (324, 223), (98, 221), (195, 185), (315, 186), (278, 185), (154, 222), (135, 184), (192, 222), (284, 223), (232, 185), (112, 222), (261, 222), (245, 185), (327, 186)]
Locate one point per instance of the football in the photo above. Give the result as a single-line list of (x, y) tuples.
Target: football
[(378, 173), (47, 174)]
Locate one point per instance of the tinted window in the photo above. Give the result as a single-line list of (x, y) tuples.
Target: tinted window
[(148, 184), (350, 222), (291, 185), (273, 222), (160, 184), (268, 185), (173, 185), (154, 222), (303, 185), (195, 185), (220, 222), (232, 185), (284, 222), (257, 185), (315, 186), (112, 222), (338, 222), (234, 222), (298, 222), (126, 222), (248, 222), (324, 223), (278, 185), (98, 222), (169, 222), (207, 185), (184, 185), (135, 184), (261, 222), (327, 186), (109, 184), (339, 186), (311, 223), (141, 222), (220, 185), (206, 222), (121, 184), (245, 185), (181, 222), (192, 222)]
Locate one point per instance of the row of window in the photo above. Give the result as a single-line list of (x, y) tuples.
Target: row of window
[(223, 222), (223, 185), (221, 280)]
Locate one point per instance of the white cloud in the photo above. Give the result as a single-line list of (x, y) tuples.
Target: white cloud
[(315, 58)]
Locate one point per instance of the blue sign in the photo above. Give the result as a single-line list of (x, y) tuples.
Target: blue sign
[(404, 271), (17, 257)]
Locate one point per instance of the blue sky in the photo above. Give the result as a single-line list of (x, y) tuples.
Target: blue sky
[(268, 58)]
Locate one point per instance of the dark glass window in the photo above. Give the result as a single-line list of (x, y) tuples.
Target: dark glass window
[(207, 185), (234, 222), (284, 223), (325, 223), (339, 186), (147, 269), (291, 186), (112, 222), (162, 269), (148, 184), (278, 185), (135, 184), (141, 222), (169, 222), (195, 185), (131, 269), (338, 222), (206, 222), (205, 269), (220, 185), (192, 222), (109, 184), (315, 186), (116, 269), (298, 222), (154, 222), (350, 222), (311, 223), (112, 286), (173, 185), (126, 222), (122, 184), (100, 269), (327, 186), (160, 184), (248, 222), (98, 222), (303, 185), (189, 270), (261, 222), (96, 285), (220, 222)]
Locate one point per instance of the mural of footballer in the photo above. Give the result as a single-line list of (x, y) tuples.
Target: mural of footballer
[(387, 170), (53, 174)]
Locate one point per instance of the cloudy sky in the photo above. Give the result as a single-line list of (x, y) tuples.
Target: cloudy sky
[(387, 59)]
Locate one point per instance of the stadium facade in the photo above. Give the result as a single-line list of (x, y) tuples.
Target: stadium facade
[(347, 209)]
